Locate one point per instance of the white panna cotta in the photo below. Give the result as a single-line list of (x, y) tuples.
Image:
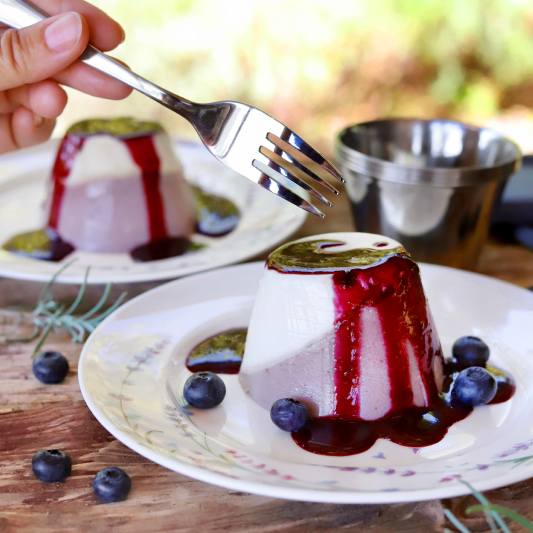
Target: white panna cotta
[(341, 323), (117, 185)]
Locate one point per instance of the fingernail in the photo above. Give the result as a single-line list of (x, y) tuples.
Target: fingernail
[(123, 35), (63, 34), (38, 120)]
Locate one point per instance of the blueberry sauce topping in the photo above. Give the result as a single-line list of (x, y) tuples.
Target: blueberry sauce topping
[(393, 288), (413, 427), (221, 354), (164, 249), (339, 436)]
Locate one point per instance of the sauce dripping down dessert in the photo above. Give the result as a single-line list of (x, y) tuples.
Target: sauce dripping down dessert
[(117, 186), (342, 325)]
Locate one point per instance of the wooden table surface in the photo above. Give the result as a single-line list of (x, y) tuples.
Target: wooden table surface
[(35, 416)]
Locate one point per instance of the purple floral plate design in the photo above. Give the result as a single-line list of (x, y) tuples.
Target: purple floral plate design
[(132, 371), (266, 221)]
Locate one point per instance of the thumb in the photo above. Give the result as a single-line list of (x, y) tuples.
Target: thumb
[(42, 50)]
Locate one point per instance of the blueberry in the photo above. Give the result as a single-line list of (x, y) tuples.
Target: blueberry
[(50, 367), (51, 465), (289, 414), (112, 485), (471, 351), (475, 386), (204, 390)]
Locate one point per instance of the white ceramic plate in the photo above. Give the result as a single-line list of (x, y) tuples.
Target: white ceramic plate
[(266, 221), (132, 370)]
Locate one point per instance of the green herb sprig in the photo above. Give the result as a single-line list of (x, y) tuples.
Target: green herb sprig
[(492, 515), (50, 315)]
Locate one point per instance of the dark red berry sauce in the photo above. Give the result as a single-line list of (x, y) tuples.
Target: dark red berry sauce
[(394, 289)]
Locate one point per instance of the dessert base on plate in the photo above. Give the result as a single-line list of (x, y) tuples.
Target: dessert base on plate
[(265, 221), (132, 371)]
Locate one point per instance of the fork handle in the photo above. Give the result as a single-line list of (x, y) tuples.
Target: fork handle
[(19, 14)]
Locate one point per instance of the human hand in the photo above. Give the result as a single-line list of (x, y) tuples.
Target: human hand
[(34, 61)]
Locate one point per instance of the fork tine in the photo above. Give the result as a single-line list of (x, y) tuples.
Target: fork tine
[(270, 183), (285, 172), (297, 142), (285, 155)]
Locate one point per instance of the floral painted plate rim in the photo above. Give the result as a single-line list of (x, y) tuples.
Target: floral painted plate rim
[(209, 458), (266, 221)]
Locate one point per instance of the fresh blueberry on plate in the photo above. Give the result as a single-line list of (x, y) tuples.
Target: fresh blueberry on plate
[(289, 415), (471, 351), (112, 485), (50, 367), (204, 390), (475, 386), (51, 465)]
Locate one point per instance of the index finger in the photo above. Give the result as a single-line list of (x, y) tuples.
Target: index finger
[(105, 33)]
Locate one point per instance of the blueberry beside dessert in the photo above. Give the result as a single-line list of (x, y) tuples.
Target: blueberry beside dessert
[(204, 390), (117, 186), (342, 349)]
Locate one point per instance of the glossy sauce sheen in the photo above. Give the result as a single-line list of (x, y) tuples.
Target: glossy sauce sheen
[(394, 289), (221, 354), (143, 152), (68, 150), (413, 427), (338, 436)]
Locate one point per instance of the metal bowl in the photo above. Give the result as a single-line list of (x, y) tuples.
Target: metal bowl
[(429, 184)]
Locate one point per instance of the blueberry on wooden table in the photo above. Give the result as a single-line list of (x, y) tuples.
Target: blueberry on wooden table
[(471, 351), (112, 485), (51, 465), (475, 386), (289, 415), (50, 367), (204, 390)]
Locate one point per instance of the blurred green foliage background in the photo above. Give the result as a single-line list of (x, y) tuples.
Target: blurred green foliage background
[(320, 65)]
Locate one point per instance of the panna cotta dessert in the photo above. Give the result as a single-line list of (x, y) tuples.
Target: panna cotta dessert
[(117, 185), (342, 350), (341, 323)]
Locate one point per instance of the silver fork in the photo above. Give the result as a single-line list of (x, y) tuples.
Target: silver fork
[(245, 139)]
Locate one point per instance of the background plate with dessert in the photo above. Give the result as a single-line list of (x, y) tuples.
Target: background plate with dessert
[(123, 198)]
